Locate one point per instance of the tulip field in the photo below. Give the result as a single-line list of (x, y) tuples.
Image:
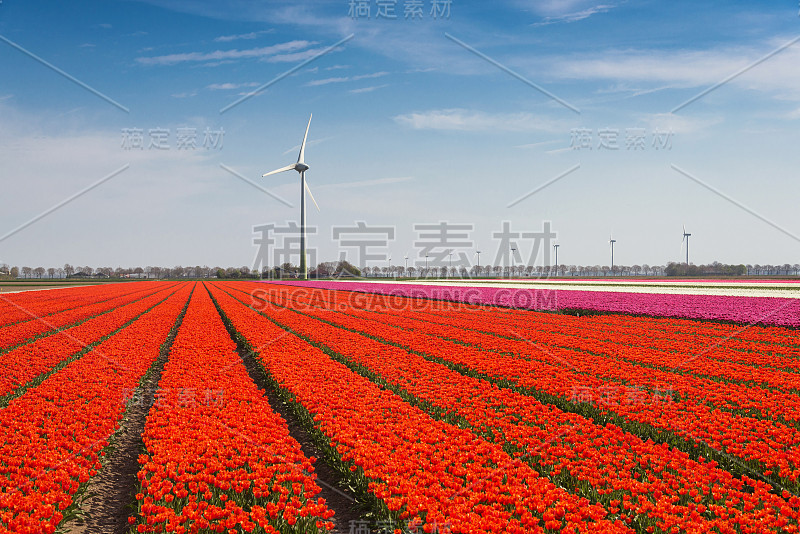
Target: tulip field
[(423, 409)]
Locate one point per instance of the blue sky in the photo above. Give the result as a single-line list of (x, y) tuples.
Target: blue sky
[(409, 127)]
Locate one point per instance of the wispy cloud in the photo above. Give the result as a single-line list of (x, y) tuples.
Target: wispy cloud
[(688, 68), (187, 94), (272, 53), (297, 56), (251, 35), (678, 123), (478, 121), (342, 79), (326, 81), (368, 89), (534, 145), (368, 183), (310, 143), (229, 86), (575, 16)]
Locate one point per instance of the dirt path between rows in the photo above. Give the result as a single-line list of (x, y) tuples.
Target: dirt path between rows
[(341, 500), (110, 493)]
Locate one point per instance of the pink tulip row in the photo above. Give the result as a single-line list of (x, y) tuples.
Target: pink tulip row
[(761, 310)]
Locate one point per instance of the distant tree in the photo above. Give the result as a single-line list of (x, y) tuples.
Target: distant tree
[(345, 268), (15, 272), (59, 272), (51, 271), (26, 271)]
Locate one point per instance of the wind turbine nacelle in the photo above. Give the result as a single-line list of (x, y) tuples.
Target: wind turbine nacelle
[(301, 167)]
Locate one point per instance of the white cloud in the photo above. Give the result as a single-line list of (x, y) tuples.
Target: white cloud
[(297, 56), (326, 81), (367, 183), (678, 123), (368, 89), (274, 53), (575, 16), (691, 68), (535, 145), (229, 86), (478, 121), (251, 35), (342, 79)]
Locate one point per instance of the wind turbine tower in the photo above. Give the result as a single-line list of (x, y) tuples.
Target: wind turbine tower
[(612, 241), (555, 247), (686, 237), (301, 167)]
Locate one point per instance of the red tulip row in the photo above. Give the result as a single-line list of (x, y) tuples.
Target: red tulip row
[(761, 363), (18, 307), (218, 458), (639, 395), (647, 484), (660, 367), (746, 345), (641, 366), (27, 362), (23, 331), (52, 438), (428, 473), (676, 343)]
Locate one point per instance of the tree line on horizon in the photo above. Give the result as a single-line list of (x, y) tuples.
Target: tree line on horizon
[(343, 268)]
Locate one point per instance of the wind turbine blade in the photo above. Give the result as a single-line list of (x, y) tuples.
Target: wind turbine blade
[(308, 190), (301, 157), (282, 169)]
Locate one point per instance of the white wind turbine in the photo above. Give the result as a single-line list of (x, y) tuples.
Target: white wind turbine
[(686, 238), (301, 167), (611, 241)]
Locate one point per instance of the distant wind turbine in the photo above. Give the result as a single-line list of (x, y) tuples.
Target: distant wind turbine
[(686, 238), (301, 167), (612, 241)]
